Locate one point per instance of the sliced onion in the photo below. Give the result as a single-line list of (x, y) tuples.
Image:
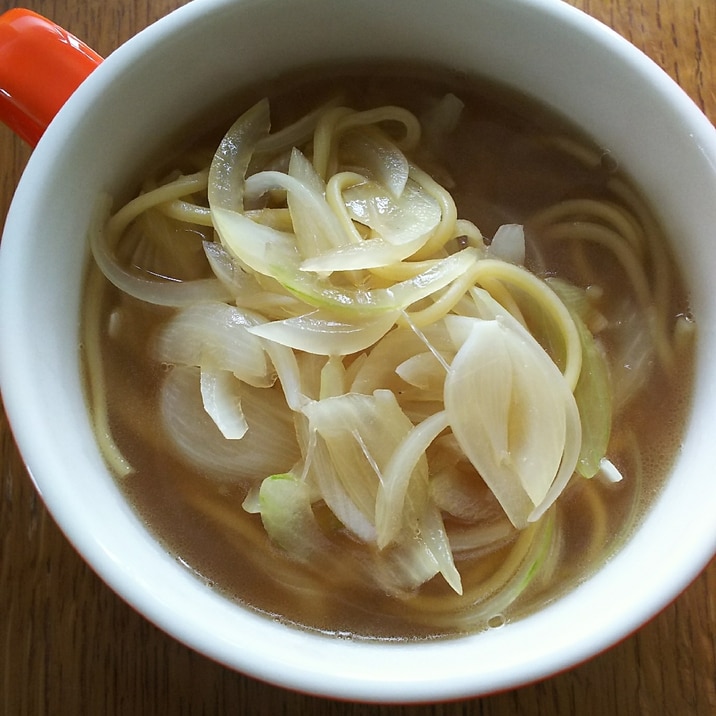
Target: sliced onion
[(215, 335), (589, 375), (160, 292), (287, 516), (422, 370), (336, 494), (482, 536), (310, 371), (441, 119), (403, 567), (514, 427), (227, 270), (228, 168), (456, 488), (265, 296), (635, 358), (398, 221), (360, 433), (593, 390), (379, 156), (368, 254), (286, 366), (400, 226), (380, 367), (316, 228), (273, 253), (268, 447), (400, 569), (324, 333), (508, 244), (407, 465), (333, 378), (432, 531), (261, 248), (295, 134), (222, 401)]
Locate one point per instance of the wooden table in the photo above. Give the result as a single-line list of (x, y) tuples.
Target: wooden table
[(68, 645)]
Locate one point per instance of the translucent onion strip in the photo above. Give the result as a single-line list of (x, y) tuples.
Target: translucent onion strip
[(514, 429), (326, 333), (216, 335), (227, 172), (269, 446), (154, 291), (222, 401), (549, 306), (394, 486), (361, 433), (287, 516)]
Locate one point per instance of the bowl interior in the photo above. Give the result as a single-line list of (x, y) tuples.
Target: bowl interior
[(163, 81)]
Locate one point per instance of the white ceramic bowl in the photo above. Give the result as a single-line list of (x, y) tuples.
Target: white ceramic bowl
[(170, 73)]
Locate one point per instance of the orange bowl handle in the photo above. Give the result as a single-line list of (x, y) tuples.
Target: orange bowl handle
[(41, 65)]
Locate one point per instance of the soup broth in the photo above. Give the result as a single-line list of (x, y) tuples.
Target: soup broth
[(505, 160)]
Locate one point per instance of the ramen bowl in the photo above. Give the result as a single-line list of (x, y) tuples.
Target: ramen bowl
[(164, 80)]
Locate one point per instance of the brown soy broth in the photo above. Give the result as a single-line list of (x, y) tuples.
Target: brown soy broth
[(500, 169)]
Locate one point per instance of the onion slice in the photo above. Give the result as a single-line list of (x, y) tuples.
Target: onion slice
[(222, 402), (269, 447), (228, 168), (519, 428), (215, 335), (324, 333)]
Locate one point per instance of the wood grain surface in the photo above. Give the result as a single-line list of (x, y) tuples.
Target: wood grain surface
[(68, 645)]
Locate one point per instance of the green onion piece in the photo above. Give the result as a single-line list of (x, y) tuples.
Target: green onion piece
[(593, 390), (287, 516)]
